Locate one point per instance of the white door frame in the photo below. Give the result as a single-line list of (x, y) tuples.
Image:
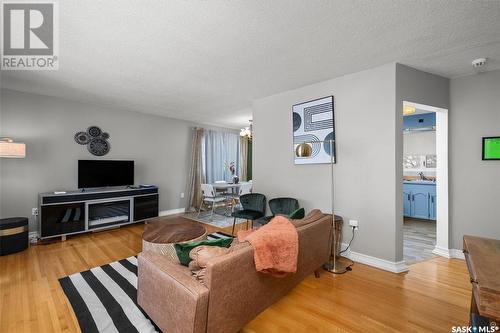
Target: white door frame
[(442, 214)]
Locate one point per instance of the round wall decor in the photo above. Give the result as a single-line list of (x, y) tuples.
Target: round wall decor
[(82, 138), (94, 131), (95, 139), (98, 147)]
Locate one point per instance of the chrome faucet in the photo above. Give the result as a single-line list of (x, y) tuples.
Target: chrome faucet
[(422, 177)]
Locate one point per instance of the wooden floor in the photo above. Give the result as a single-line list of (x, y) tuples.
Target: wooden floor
[(432, 297), (419, 240)]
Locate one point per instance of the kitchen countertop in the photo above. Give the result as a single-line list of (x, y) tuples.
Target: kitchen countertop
[(419, 182)]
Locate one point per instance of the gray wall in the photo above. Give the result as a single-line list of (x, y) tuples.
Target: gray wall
[(474, 184), (418, 87), (159, 146), (419, 143), (365, 185)]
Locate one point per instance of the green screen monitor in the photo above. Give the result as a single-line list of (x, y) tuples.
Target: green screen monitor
[(491, 148)]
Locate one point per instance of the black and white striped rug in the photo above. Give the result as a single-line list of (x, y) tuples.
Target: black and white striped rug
[(104, 298)]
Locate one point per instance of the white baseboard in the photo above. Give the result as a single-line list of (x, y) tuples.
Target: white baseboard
[(172, 211), (399, 266), (441, 251), (386, 265), (457, 254), (449, 253)]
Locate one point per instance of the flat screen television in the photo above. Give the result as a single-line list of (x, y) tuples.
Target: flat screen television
[(103, 173), (491, 148)]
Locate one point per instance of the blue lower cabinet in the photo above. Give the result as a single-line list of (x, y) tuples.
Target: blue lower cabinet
[(419, 200), (432, 207), (406, 203), (420, 205)]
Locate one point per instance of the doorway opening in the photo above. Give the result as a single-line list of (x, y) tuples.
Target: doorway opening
[(425, 182)]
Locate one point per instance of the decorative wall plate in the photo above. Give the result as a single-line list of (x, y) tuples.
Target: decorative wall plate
[(98, 147), (94, 131), (95, 139), (82, 138)]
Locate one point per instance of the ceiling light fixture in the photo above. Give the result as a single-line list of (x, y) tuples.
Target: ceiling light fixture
[(407, 110), (247, 131)]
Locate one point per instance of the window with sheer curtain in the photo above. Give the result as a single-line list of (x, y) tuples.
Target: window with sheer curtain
[(219, 149)]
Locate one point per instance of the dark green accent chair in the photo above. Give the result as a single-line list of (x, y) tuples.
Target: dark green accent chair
[(297, 214), (280, 206), (254, 208)]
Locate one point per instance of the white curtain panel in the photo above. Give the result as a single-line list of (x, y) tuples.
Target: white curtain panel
[(220, 148)]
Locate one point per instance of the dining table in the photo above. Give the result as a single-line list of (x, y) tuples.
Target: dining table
[(230, 190), (226, 186)]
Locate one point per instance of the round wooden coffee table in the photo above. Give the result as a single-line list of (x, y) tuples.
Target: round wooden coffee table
[(161, 234)]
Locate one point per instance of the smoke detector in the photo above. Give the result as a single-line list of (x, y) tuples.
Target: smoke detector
[(479, 63)]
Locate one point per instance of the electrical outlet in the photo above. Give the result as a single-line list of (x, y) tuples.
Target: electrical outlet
[(182, 195), (34, 211), (354, 223)]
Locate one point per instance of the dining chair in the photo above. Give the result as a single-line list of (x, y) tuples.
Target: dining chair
[(243, 189), (210, 196), (254, 207), (281, 206)]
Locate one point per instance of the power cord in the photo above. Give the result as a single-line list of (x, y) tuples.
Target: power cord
[(348, 245), (349, 267)]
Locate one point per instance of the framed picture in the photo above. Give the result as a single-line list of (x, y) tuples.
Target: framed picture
[(430, 161), (412, 161), (491, 148), (314, 123)]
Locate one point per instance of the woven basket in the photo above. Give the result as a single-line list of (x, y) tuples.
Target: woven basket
[(168, 249)]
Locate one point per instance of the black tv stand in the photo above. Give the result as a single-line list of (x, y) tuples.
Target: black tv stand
[(86, 210)]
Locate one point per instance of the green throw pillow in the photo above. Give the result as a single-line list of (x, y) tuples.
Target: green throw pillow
[(298, 214), (183, 249)]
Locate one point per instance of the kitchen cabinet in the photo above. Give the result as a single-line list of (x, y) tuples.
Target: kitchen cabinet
[(432, 207), (419, 199), (420, 204), (406, 203)]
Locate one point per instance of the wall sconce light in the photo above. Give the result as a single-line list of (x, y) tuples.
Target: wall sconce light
[(11, 149)]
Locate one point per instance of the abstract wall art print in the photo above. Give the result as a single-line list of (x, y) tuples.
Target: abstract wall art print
[(314, 123)]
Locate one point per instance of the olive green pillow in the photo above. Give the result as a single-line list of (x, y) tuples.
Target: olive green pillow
[(297, 214), (183, 249)]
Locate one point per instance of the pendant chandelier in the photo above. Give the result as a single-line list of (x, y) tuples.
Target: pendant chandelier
[(247, 131)]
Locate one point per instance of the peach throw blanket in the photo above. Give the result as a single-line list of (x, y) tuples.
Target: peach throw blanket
[(276, 246)]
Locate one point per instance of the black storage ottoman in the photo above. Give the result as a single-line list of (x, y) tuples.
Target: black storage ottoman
[(13, 235)]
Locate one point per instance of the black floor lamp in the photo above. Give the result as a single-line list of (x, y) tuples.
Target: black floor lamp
[(304, 149)]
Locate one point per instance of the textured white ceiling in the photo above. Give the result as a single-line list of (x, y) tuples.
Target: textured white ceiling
[(207, 60)]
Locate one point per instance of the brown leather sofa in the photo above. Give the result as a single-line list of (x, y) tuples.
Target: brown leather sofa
[(234, 292)]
